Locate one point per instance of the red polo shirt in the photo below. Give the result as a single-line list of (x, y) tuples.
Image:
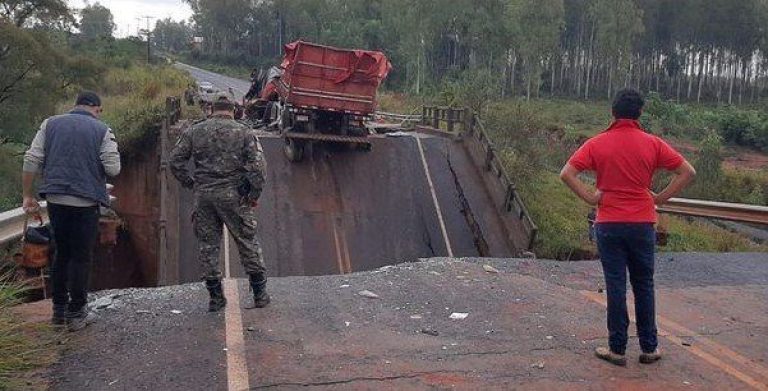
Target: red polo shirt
[(625, 157)]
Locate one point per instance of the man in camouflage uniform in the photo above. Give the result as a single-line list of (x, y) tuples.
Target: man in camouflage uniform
[(229, 171)]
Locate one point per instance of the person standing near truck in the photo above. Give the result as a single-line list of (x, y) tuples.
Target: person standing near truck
[(625, 158), (229, 174), (75, 153)]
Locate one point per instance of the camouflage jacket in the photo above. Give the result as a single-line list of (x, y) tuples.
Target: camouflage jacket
[(227, 157)]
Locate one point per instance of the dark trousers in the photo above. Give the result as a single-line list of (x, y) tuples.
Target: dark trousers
[(74, 234), (629, 246)]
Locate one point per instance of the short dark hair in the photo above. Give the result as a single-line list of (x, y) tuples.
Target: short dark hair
[(628, 104), (88, 98), (222, 102)]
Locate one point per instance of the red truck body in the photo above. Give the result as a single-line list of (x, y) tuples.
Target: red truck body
[(327, 78)]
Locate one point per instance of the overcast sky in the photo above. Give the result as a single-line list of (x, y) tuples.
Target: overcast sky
[(127, 11)]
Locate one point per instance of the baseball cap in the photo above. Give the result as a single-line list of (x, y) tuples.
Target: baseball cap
[(88, 98)]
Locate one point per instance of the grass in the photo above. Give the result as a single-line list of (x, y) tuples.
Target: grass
[(134, 102), (535, 138), (134, 106), (695, 235), (24, 348), (560, 216)]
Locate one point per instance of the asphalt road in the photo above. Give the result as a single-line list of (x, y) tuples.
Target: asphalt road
[(222, 82), (531, 326), (524, 324), (341, 211)]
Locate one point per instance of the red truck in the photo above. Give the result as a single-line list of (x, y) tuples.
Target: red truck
[(326, 94)]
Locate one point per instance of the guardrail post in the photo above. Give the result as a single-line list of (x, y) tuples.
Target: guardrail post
[(466, 123), (424, 114), (436, 118), (450, 119)]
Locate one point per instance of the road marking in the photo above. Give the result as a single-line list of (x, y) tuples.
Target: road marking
[(225, 238), (339, 261), (237, 367), (706, 356), (345, 247), (342, 250), (434, 198)]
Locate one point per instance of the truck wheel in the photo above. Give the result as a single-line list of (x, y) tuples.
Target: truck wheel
[(294, 150)]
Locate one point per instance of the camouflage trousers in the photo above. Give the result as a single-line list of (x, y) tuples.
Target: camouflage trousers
[(210, 215)]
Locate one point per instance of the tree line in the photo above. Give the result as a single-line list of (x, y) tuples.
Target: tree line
[(47, 53), (689, 50)]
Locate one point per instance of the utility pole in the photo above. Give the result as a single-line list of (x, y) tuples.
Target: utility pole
[(149, 40)]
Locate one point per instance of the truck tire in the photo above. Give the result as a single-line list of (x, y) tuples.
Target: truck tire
[(294, 150)]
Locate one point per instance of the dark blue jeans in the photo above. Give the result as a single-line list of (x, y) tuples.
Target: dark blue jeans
[(629, 246)]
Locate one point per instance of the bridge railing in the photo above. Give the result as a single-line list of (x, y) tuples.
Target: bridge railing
[(511, 202), (446, 118)]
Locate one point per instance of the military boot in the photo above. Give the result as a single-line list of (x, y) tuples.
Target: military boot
[(59, 318), (218, 301), (259, 286)]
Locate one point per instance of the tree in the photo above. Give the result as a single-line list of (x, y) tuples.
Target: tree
[(24, 13), (708, 50), (172, 36), (538, 37), (96, 22), (27, 71)]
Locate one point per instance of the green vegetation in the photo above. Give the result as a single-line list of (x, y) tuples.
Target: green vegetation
[(23, 347), (45, 64), (689, 50), (745, 127), (134, 102), (535, 138)]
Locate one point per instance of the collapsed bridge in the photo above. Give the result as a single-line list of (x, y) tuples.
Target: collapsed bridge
[(415, 195)]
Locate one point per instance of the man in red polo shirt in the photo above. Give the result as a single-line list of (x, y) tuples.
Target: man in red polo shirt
[(625, 157)]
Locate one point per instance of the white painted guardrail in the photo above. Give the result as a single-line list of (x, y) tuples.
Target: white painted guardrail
[(12, 223)]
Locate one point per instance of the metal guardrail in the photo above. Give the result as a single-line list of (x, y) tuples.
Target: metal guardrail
[(402, 120), (744, 213), (12, 223)]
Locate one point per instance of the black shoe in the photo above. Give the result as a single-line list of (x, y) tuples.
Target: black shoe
[(59, 317), (218, 301), (259, 286)]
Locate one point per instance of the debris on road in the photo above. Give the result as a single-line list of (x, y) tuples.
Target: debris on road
[(490, 269), (459, 315), (433, 333), (104, 302), (368, 294), (538, 365), (176, 312)]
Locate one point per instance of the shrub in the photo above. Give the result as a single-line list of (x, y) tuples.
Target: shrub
[(23, 347), (10, 176)]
